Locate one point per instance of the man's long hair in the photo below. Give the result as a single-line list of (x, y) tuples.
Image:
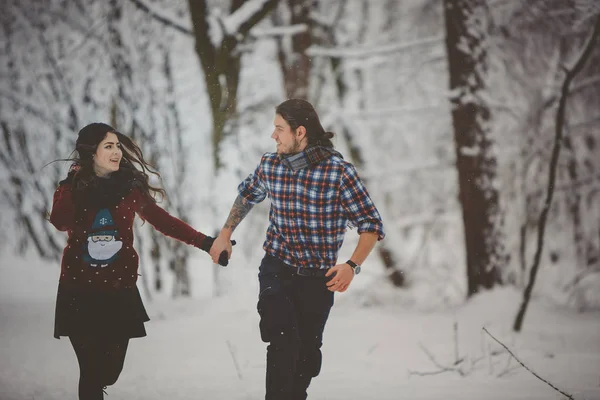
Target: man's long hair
[(298, 112)]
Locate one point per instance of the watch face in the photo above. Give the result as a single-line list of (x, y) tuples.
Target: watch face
[(357, 270)]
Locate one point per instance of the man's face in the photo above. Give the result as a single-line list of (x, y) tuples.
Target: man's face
[(287, 139)]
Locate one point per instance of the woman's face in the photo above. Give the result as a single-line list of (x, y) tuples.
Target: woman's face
[(108, 155)]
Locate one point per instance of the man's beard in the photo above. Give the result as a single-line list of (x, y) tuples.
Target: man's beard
[(293, 149)]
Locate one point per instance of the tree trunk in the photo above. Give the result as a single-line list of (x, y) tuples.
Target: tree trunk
[(466, 33), (221, 64), (291, 49)]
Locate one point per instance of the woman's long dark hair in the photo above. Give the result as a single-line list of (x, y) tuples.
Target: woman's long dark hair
[(298, 112), (85, 178)]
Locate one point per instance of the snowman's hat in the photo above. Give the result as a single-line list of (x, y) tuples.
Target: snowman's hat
[(103, 224)]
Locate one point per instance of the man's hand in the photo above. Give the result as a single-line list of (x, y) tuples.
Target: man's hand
[(342, 276), (206, 245), (220, 244)]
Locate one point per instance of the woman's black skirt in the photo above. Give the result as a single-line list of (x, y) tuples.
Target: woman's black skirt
[(118, 313)]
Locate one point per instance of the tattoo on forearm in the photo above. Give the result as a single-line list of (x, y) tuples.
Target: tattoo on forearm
[(238, 212)]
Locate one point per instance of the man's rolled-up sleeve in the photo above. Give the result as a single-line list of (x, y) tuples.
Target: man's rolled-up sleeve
[(253, 188), (358, 205)]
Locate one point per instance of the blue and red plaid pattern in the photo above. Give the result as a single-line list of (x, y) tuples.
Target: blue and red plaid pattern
[(310, 209)]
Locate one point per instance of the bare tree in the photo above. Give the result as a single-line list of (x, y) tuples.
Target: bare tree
[(33, 132), (467, 23), (570, 74), (60, 83), (534, 41), (218, 39), (355, 57), (291, 49), (159, 133), (329, 38), (220, 56)]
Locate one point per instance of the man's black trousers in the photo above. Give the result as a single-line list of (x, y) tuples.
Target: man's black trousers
[(293, 311)]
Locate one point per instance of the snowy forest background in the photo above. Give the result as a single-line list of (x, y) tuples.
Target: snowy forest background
[(474, 123), (450, 110)]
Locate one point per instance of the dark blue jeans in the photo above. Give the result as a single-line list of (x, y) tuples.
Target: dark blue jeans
[(293, 310)]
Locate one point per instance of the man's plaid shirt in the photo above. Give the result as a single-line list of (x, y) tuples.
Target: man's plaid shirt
[(310, 209)]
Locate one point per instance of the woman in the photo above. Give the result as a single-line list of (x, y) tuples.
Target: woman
[(98, 304)]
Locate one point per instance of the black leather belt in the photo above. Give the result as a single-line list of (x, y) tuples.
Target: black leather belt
[(314, 272)]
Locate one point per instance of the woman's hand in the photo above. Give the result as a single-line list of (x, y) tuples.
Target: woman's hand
[(220, 248), (223, 255)]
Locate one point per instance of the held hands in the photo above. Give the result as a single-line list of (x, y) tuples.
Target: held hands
[(221, 247), (341, 276), (223, 256)]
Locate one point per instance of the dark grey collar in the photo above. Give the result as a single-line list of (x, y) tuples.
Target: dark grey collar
[(310, 156)]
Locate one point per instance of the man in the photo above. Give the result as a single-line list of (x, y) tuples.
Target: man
[(315, 195)]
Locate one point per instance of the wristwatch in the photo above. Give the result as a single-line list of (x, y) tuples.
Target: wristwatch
[(355, 266)]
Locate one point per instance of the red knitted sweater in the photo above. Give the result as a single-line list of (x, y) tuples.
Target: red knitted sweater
[(99, 254)]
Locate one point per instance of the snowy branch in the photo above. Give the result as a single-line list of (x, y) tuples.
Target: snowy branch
[(328, 21), (245, 17), (580, 86), (358, 52), (88, 31), (585, 83), (234, 358), (426, 218), (408, 168), (239, 22), (527, 368), (568, 186), (512, 110), (233, 23), (30, 108), (154, 14), (392, 111), (58, 73), (386, 112), (441, 368), (462, 365), (279, 31), (589, 121), (587, 10)]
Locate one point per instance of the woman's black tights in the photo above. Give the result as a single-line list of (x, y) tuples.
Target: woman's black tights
[(100, 363)]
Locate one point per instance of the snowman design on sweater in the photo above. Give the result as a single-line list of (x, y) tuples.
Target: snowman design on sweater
[(102, 246)]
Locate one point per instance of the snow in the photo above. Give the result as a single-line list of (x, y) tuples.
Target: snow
[(210, 348), (289, 30), (233, 22), (355, 51), (472, 151)]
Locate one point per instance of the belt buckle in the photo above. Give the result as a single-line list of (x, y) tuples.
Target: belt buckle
[(299, 271)]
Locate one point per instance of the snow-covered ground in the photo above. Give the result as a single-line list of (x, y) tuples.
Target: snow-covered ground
[(203, 348)]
